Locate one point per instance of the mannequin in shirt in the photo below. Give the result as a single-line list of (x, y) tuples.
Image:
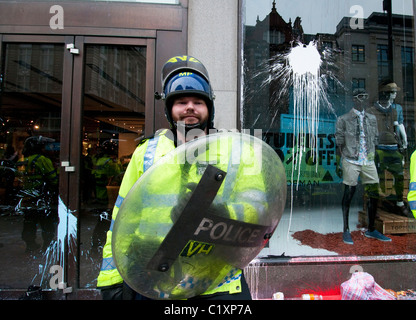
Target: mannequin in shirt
[(358, 161)]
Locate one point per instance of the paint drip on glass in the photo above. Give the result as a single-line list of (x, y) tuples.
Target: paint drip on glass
[(297, 75), (304, 62)]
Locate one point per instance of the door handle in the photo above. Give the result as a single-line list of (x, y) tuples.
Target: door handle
[(67, 166), (72, 49)]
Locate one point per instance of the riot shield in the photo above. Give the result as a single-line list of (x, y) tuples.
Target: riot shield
[(199, 215)]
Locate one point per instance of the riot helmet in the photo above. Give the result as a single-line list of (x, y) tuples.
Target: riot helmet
[(35, 144), (186, 75), (110, 147)]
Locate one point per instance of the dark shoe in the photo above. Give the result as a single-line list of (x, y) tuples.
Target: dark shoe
[(404, 211), (346, 237), (32, 293), (376, 235)]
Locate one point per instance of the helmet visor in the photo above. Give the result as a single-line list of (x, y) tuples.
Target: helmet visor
[(187, 83)]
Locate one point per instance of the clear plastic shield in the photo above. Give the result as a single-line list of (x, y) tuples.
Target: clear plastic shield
[(199, 215)]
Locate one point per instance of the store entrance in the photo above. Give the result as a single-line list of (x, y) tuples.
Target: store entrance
[(72, 110)]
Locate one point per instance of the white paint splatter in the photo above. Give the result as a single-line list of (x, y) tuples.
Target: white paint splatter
[(294, 74), (67, 230), (304, 62), (58, 249)]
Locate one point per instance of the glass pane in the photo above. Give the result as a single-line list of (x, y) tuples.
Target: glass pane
[(304, 61), (113, 123), (30, 116)]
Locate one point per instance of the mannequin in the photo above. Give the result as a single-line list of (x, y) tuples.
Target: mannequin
[(349, 191), (358, 161), (392, 141), (401, 131)]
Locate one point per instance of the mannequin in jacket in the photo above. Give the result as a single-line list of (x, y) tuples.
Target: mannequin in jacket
[(356, 136)]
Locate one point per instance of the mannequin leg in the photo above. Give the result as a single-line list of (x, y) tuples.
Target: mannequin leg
[(401, 205), (346, 202), (371, 213), (372, 192)]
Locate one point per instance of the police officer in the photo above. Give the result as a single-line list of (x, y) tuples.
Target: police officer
[(189, 108), (105, 168), (40, 194)]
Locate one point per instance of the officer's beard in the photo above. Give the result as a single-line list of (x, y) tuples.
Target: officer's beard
[(184, 130), (188, 127)]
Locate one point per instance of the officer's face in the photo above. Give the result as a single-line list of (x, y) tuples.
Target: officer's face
[(190, 110)]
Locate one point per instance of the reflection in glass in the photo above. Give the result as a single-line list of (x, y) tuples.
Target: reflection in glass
[(353, 40), (113, 123), (30, 116)]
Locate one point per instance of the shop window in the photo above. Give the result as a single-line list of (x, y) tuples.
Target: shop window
[(354, 61)]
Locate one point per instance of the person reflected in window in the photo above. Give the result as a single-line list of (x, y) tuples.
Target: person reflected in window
[(106, 167), (356, 137), (39, 196), (105, 170), (392, 142)]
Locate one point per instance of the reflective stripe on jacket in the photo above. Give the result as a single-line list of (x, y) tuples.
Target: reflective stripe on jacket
[(143, 157), (411, 196)]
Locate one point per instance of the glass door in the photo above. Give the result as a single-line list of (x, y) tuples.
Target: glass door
[(32, 80), (72, 110)]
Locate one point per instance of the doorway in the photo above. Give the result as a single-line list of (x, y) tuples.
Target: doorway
[(72, 110)]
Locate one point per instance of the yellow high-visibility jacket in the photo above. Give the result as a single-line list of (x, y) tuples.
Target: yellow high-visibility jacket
[(38, 170), (40, 181), (411, 196), (145, 156)]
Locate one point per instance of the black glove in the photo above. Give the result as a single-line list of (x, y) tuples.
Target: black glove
[(114, 292), (219, 209), (177, 210), (215, 209)]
